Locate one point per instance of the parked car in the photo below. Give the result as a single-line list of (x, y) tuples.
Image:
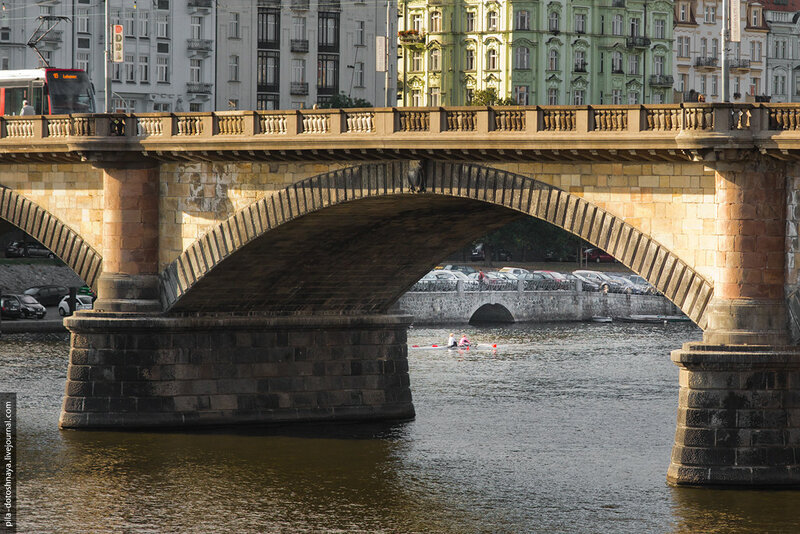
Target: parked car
[(607, 284), (645, 286), (466, 269), (20, 249), (10, 307), (558, 280), (82, 302), (30, 307), (596, 255), (495, 281), (516, 271), (47, 295), (586, 284)]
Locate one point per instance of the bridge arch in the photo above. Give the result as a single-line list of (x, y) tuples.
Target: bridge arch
[(491, 313), (278, 234), (53, 233)]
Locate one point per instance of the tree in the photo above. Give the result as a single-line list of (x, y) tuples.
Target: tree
[(489, 97), (345, 101)]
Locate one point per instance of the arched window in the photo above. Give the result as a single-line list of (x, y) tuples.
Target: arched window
[(553, 63), (522, 58), (436, 21), (491, 59), (435, 60), (553, 21)]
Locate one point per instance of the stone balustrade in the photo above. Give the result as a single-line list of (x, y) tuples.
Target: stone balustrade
[(660, 127)]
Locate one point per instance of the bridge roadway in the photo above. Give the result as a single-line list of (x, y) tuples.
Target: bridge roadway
[(246, 262)]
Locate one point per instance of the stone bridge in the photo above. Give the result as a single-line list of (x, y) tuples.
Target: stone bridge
[(246, 262)]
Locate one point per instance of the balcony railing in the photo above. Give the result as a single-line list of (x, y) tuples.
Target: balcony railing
[(200, 45), (205, 4), (580, 67), (708, 61), (638, 41), (199, 88), (299, 4), (739, 64), (298, 88), (662, 80), (299, 45), (411, 37)]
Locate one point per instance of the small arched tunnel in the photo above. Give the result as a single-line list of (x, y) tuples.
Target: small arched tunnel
[(355, 257), (491, 314)]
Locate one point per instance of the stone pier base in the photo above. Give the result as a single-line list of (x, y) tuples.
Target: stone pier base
[(738, 416), (129, 371)]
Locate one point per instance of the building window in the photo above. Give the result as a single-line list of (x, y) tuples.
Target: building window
[(616, 97), (684, 83), (360, 33), (780, 49), (329, 31), (83, 20), (756, 17), (233, 68), (755, 51), (682, 13), (580, 61), (522, 58), (491, 59), (470, 21), (714, 47), (359, 74), (633, 97), (523, 20), (267, 71), (82, 61), (162, 69), (552, 63), (683, 46), (269, 27), (711, 13), (328, 74), (416, 61), (435, 60), (435, 96), (616, 62), (233, 26), (703, 83), (299, 28), (161, 107), (416, 22), (714, 83), (116, 72), (416, 98), (521, 95), (196, 27), (195, 70), (552, 96), (491, 21), (130, 20), (130, 72), (703, 47), (580, 23), (299, 70), (660, 26), (469, 63), (162, 27), (755, 86), (267, 102), (633, 64), (634, 27), (658, 65), (144, 69), (436, 21), (144, 24), (779, 84), (579, 97), (553, 22), (121, 105), (195, 107), (616, 25)]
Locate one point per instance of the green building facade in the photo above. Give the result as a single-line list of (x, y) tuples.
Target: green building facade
[(535, 52)]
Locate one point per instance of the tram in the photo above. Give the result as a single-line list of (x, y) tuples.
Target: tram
[(50, 91)]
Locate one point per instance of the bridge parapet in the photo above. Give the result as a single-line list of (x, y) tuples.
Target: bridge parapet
[(668, 131)]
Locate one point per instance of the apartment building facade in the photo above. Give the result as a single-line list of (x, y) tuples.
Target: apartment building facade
[(168, 48), (698, 52), (274, 54), (783, 50), (576, 52)]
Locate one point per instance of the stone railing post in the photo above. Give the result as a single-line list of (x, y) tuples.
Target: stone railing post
[(437, 116), (532, 119), (249, 123), (482, 124), (636, 121), (582, 120), (294, 123), (129, 280), (336, 124)]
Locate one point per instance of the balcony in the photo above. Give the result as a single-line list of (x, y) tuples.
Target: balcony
[(299, 45), (706, 62), (739, 64), (199, 5), (199, 88), (662, 80), (579, 67), (411, 38), (298, 88), (299, 5), (199, 46), (637, 41), (330, 5)]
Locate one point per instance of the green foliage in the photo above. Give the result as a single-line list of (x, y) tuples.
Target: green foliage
[(489, 97), (344, 101)]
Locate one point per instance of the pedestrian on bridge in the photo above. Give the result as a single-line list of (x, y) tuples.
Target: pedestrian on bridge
[(27, 109)]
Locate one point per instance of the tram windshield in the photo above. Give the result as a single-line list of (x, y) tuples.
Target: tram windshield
[(70, 92)]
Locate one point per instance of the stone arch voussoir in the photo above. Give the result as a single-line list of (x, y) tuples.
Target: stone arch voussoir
[(681, 284), (53, 233)]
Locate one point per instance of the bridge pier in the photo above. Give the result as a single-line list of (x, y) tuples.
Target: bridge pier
[(739, 403), (132, 371)]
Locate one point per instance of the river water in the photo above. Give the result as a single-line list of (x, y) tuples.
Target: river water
[(564, 428)]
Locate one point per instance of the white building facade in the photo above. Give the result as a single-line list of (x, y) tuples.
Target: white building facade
[(292, 54), (168, 48), (698, 52), (783, 50)]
